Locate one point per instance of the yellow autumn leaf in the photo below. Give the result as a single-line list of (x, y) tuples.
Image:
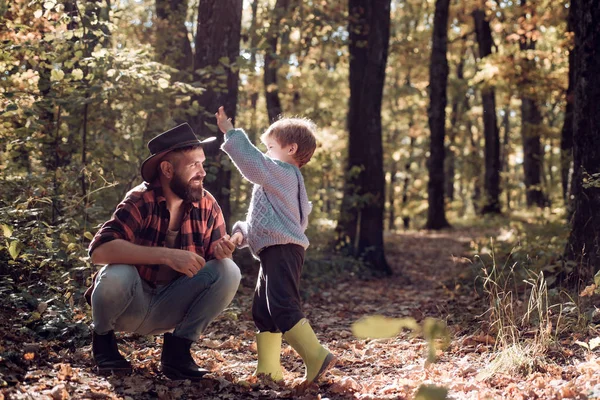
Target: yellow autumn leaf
[(431, 392), (77, 74), (380, 327), (57, 75), (7, 230), (14, 249), (163, 83)]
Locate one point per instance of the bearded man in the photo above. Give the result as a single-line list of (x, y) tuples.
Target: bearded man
[(167, 260)]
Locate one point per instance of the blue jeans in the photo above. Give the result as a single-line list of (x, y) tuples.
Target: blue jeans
[(123, 302)]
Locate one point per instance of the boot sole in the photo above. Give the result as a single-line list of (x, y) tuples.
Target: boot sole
[(113, 371), (329, 362), (174, 375)]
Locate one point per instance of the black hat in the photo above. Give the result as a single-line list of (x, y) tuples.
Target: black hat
[(175, 138)]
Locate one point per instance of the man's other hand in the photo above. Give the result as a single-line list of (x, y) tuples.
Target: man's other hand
[(186, 262)]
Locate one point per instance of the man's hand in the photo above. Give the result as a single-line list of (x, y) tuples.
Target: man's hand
[(224, 248), (186, 262), (223, 122)]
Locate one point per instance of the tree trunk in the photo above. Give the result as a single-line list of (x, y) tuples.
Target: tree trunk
[(438, 80), (583, 246), (172, 44), (364, 189), (392, 196), (272, 59), (253, 95), (505, 149), (531, 118), (566, 137), (407, 164), (217, 39), (491, 185)]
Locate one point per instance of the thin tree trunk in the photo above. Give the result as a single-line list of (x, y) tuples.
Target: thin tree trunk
[(490, 125), (583, 246), (272, 59), (438, 81), (369, 32), (504, 153), (392, 196), (531, 119), (566, 137), (217, 39), (406, 217), (252, 134)]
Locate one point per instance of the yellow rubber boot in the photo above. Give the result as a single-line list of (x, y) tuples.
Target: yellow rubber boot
[(268, 346), (317, 358)]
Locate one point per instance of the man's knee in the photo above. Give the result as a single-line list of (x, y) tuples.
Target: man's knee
[(114, 281), (228, 274)]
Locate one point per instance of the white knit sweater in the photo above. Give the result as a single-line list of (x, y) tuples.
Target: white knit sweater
[(279, 207)]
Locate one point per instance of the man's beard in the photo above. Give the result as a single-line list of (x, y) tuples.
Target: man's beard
[(185, 190)]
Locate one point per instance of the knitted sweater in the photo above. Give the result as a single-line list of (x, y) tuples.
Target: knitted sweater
[(279, 207)]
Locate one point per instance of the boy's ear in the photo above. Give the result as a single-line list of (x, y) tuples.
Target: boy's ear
[(293, 148)]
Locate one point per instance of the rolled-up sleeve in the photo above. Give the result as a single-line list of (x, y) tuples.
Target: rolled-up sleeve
[(124, 224), (215, 230)]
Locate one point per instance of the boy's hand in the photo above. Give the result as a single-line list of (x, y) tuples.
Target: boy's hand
[(237, 238), (224, 248), (223, 122)]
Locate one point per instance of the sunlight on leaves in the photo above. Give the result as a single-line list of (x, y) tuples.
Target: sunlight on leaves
[(57, 75), (15, 249), (7, 230)]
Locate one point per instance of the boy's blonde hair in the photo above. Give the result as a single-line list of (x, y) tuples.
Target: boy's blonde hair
[(294, 130)]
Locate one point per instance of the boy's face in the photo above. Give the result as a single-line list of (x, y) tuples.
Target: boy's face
[(278, 152)]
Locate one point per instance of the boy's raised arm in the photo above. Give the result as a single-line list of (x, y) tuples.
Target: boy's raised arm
[(253, 164)]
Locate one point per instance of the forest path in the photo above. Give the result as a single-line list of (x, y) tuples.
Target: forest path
[(435, 265)]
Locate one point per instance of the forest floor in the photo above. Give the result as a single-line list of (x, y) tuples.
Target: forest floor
[(431, 280)]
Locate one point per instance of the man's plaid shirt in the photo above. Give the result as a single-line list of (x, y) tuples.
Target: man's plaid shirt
[(143, 218)]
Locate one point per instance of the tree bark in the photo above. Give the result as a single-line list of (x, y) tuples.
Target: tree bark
[(583, 246), (491, 185), (172, 44), (272, 59), (566, 137), (217, 47), (531, 118), (438, 81), (361, 217)]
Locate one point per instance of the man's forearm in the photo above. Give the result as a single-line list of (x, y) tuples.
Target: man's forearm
[(121, 251)]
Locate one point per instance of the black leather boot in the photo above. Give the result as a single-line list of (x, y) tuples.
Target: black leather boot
[(176, 360), (107, 356)]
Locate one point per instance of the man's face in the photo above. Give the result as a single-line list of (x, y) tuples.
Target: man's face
[(188, 174)]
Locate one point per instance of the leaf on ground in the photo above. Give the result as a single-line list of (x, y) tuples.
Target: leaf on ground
[(381, 327), (431, 392)]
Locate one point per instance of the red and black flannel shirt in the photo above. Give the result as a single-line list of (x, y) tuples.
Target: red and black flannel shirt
[(143, 218)]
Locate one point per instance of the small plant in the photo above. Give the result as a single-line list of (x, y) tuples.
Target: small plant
[(516, 312)]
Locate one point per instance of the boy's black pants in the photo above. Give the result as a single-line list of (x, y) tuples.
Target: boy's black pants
[(276, 306)]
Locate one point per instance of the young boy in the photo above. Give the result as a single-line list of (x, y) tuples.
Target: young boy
[(274, 231)]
